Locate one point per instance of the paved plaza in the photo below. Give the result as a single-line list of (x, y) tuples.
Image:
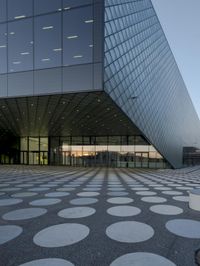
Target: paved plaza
[(56, 216)]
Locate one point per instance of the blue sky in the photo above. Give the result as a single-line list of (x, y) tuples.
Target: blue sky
[(180, 20)]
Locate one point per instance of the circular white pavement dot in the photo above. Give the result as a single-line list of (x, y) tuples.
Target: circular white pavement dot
[(129, 232), (23, 214), (44, 202), (91, 189), (10, 189), (146, 193), (57, 194), (184, 188), (76, 212), (64, 189), (88, 194), (48, 262), (120, 200), (83, 201), (153, 199), (172, 192), (116, 189), (9, 202), (184, 227), (9, 232), (61, 235), (140, 189), (38, 189), (141, 259), (123, 211), (166, 209), (162, 188), (182, 198), (119, 193), (24, 195)]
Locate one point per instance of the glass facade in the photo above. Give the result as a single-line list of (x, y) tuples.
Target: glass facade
[(89, 68), (109, 151), (60, 35), (142, 77)]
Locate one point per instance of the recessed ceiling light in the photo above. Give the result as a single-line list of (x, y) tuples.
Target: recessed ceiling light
[(67, 8), (12, 33), (16, 62), (45, 59), (77, 56), (47, 27), (89, 21), (18, 17), (3, 46), (91, 45), (72, 37), (25, 53), (57, 49)]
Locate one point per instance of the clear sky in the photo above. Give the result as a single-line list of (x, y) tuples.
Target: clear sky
[(180, 20)]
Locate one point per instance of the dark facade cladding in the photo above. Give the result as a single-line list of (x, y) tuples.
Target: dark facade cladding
[(90, 83)]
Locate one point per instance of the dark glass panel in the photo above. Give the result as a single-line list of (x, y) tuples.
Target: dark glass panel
[(67, 4), (3, 48), (48, 48), (77, 36), (3, 10), (45, 6), (18, 9), (20, 45)]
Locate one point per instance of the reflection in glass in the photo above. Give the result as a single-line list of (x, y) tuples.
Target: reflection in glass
[(43, 144), (45, 6), (3, 48), (48, 48), (77, 36), (20, 46), (3, 10), (33, 144), (18, 9), (67, 4), (72, 151)]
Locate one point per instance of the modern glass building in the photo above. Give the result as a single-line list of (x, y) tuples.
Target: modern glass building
[(90, 83)]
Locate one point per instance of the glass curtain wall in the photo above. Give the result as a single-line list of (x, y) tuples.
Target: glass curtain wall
[(109, 151), (34, 150)]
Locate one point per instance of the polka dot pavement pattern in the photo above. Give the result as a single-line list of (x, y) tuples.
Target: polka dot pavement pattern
[(97, 216)]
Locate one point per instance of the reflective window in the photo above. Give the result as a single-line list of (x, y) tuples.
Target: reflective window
[(18, 9), (67, 4), (48, 48), (77, 36), (33, 144), (20, 46), (24, 144), (3, 48), (45, 6), (3, 10), (44, 144)]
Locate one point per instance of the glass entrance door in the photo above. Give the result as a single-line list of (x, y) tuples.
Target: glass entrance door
[(34, 157), (24, 157), (141, 159)]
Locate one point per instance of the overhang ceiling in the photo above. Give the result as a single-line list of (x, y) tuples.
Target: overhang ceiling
[(92, 113)]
